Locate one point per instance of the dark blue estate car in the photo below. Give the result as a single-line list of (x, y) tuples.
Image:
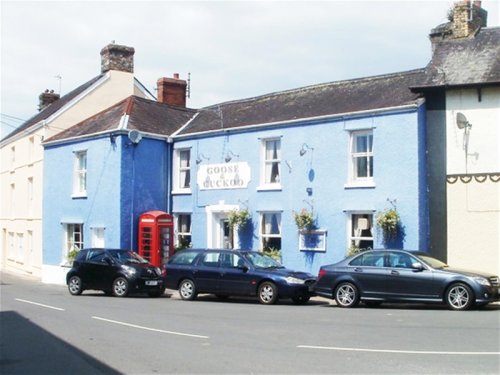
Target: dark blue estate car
[(377, 276), (235, 273)]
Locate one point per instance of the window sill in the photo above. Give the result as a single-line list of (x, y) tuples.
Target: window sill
[(181, 192), (360, 185), (79, 196), (274, 187)]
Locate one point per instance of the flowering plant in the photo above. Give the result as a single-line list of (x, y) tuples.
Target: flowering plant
[(388, 222), (304, 219), (238, 217)]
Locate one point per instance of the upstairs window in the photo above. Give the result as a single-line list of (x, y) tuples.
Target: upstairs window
[(271, 163), (80, 174), (182, 176), (361, 158)]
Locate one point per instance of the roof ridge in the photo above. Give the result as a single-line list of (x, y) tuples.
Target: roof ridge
[(319, 85)]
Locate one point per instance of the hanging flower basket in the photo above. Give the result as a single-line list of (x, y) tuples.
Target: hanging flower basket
[(388, 222), (304, 220), (238, 218)]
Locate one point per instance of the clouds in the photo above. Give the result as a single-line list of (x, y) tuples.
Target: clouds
[(232, 49)]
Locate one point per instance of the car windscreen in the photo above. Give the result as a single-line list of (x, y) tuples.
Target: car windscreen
[(433, 262), (127, 256), (262, 261)]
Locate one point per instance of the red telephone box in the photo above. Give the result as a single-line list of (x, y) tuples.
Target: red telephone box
[(156, 237)]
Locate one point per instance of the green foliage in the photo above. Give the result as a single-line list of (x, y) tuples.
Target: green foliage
[(388, 222), (273, 253), (304, 219), (238, 218)]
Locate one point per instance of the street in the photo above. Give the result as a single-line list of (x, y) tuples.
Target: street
[(45, 330)]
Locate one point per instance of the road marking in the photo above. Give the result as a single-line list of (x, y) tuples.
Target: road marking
[(39, 304), (393, 351), (150, 329)]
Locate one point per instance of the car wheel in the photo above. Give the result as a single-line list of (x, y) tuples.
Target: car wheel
[(301, 299), (459, 296), (187, 290), (268, 293), (347, 295), (120, 287), (75, 286)]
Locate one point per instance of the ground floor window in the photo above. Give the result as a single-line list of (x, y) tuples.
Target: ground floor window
[(361, 231), (73, 239), (270, 231), (183, 231)]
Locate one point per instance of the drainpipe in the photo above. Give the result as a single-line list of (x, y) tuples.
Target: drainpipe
[(170, 152)]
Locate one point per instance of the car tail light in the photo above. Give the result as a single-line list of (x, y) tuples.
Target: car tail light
[(321, 273), (164, 272)]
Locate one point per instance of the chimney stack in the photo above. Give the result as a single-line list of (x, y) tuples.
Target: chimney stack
[(117, 57), (172, 91), (468, 18), (46, 98)]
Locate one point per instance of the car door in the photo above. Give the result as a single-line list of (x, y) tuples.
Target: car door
[(235, 275), (99, 272), (369, 273), (207, 272), (406, 281)]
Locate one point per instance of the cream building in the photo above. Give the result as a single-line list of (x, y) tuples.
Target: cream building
[(463, 120), (21, 155)]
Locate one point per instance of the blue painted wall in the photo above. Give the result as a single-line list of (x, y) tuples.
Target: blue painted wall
[(123, 181), (400, 176)]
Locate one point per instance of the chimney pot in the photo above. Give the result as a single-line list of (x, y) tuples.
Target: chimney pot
[(46, 98), (176, 75)]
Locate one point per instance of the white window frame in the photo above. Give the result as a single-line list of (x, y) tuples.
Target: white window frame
[(354, 155), (266, 182), (30, 197), (70, 240), (80, 174), (263, 234), (180, 172), (98, 237), (355, 239), (12, 201), (20, 254), (180, 228)]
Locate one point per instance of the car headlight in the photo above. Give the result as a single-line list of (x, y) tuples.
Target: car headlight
[(482, 280), (129, 270), (294, 280)]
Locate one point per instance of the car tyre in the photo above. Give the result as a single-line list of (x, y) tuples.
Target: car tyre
[(459, 296), (267, 293), (347, 295), (75, 286), (187, 290), (120, 287)]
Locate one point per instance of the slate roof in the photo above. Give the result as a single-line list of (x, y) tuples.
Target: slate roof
[(52, 108), (145, 115), (343, 97), (465, 62)]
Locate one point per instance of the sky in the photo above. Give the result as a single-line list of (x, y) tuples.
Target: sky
[(232, 49)]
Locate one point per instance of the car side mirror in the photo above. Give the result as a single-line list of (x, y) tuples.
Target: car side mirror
[(417, 266), (243, 268), (108, 260)]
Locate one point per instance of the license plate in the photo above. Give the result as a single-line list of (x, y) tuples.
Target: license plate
[(151, 282)]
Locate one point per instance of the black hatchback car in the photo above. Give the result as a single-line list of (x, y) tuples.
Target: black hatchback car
[(377, 276), (235, 273), (117, 272)]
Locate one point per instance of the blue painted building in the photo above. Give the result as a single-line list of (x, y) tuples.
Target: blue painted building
[(344, 152), (101, 174)]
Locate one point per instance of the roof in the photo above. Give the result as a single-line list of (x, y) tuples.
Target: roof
[(343, 97), (465, 61), (145, 115), (52, 108)]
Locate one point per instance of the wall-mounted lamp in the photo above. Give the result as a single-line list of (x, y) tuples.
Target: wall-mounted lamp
[(304, 149), (200, 158), (229, 156)]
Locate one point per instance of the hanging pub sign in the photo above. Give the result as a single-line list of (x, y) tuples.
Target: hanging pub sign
[(223, 176)]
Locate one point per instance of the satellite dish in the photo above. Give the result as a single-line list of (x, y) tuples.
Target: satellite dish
[(462, 121), (135, 136)]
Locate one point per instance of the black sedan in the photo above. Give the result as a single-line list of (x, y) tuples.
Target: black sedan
[(235, 273), (377, 276), (114, 271)]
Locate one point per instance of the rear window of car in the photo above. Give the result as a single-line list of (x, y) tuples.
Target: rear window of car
[(184, 258), (369, 260)]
